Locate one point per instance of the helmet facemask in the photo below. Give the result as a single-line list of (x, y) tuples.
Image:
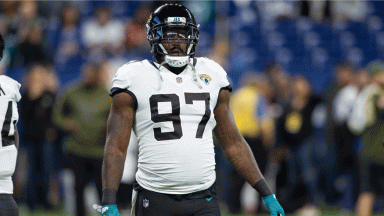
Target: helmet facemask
[(176, 41)]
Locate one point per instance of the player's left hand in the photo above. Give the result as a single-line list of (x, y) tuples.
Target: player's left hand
[(273, 205), (107, 210)]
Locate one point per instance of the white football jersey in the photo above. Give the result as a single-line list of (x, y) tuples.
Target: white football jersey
[(174, 122), (9, 96)]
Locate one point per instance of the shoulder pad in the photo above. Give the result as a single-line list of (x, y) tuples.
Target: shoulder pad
[(209, 63), (216, 69), (126, 74), (130, 68), (10, 87)]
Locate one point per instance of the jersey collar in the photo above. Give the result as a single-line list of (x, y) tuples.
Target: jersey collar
[(157, 66)]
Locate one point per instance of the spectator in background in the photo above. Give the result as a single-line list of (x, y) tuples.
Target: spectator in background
[(82, 112), (250, 111), (278, 10), (135, 35), (317, 10), (9, 14), (342, 106), (280, 80), (66, 35), (343, 75), (354, 10), (52, 149), (5, 61), (103, 35), (32, 48), (357, 120), (65, 43), (39, 134), (19, 18), (220, 52), (371, 155), (335, 11), (28, 18), (296, 128)]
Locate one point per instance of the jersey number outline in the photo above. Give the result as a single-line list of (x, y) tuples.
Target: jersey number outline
[(1, 91), (6, 139), (174, 116)]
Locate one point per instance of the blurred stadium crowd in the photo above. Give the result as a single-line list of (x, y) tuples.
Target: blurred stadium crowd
[(301, 70)]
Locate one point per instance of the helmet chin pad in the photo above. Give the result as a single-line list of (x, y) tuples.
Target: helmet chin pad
[(176, 61)]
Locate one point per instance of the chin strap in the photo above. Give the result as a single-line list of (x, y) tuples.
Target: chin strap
[(161, 77), (195, 75), (171, 60), (176, 61)]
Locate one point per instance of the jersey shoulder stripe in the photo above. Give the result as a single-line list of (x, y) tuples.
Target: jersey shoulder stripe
[(115, 91)]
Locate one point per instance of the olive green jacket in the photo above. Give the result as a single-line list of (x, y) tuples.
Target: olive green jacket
[(89, 108), (373, 137)]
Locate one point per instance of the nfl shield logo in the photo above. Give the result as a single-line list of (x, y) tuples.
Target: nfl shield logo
[(145, 203), (179, 80)]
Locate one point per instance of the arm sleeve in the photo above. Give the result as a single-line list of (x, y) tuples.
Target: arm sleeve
[(224, 82), (122, 80)]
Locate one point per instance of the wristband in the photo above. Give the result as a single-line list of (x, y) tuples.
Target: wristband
[(109, 197), (262, 187)]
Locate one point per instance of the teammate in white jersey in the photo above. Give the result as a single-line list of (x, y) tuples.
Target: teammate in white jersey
[(9, 139), (173, 105)]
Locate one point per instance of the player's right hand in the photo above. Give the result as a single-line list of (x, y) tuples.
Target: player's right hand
[(107, 210)]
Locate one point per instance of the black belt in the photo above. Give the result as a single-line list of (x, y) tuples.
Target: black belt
[(210, 192), (6, 196)]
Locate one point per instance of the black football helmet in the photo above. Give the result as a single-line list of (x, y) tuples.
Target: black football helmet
[(170, 20)]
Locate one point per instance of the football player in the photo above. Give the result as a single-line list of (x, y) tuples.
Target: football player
[(9, 139), (173, 105)]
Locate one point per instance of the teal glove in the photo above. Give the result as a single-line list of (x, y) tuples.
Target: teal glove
[(273, 205), (107, 210)]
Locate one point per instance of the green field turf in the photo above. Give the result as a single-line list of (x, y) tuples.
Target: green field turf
[(324, 212)]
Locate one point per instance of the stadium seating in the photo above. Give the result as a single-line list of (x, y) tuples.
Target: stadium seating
[(303, 46)]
